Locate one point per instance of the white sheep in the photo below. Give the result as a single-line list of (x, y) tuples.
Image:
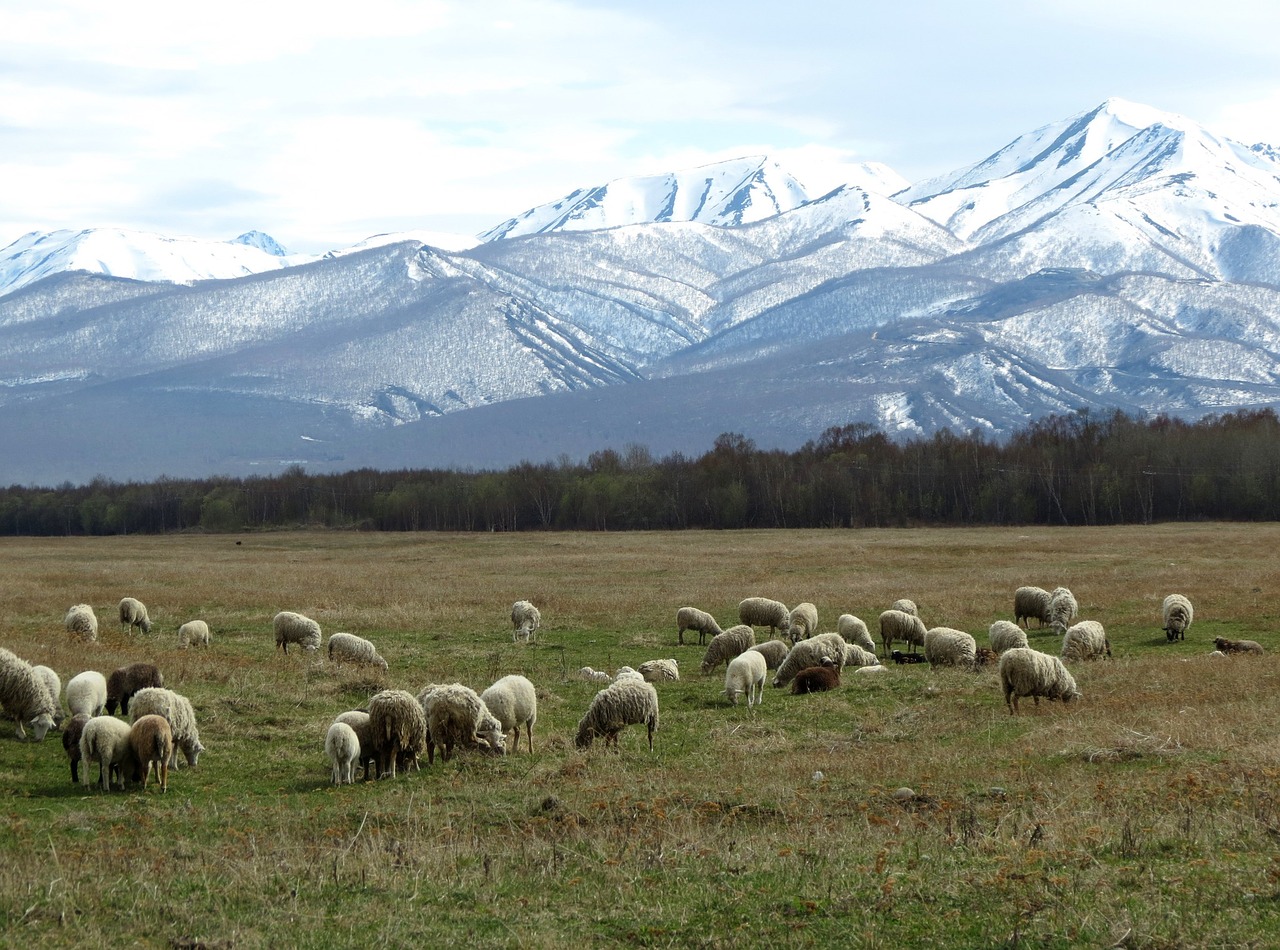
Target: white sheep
[(54, 685), (594, 676), (105, 740), (615, 707), (828, 647), (25, 697), (293, 627), (525, 621), (1177, 614), (657, 671), (83, 622), (457, 716), (906, 606), (626, 672), (946, 646), (1031, 602), (152, 742), (804, 621), (855, 631), (398, 728), (745, 674), (343, 749), (87, 693), (1028, 672), (1062, 609), (691, 618), (178, 712), (861, 657), (348, 648), (358, 720), (1005, 635), (513, 701), (1086, 640), (193, 633), (763, 612), (725, 646), (773, 651), (127, 680), (133, 613), (900, 625)]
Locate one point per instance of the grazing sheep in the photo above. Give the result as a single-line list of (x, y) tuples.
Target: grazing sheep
[(691, 618), (133, 613), (1236, 646), (54, 685), (811, 652), (348, 648), (773, 651), (83, 622), (855, 631), (1177, 615), (87, 693), (398, 728), (105, 740), (763, 612), (293, 627), (178, 713), (152, 742), (725, 646), (358, 720), (1028, 672), (457, 716), (745, 674), (815, 679), (1085, 640), (513, 701), (900, 658), (1029, 602), (614, 708), (193, 633), (804, 621), (657, 671), (127, 680), (343, 749), (525, 621), (900, 625), (25, 697), (1005, 635), (71, 743), (1062, 609), (944, 646), (906, 606), (594, 676)]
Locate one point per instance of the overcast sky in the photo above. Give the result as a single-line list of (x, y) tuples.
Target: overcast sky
[(323, 122)]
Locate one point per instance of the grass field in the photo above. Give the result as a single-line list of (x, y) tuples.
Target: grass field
[(1146, 815)]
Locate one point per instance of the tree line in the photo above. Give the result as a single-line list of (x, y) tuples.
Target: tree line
[(1077, 469)]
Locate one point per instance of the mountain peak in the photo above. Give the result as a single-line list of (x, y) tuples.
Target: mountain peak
[(263, 242)]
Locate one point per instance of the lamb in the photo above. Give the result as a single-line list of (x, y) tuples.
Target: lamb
[(343, 749), (127, 680), (1085, 640), (293, 627), (626, 672), (745, 674), (725, 646), (855, 631), (54, 685), (152, 742), (87, 693), (816, 679), (900, 658), (133, 613), (1062, 609), (804, 621), (525, 621), (348, 648), (773, 651), (861, 657), (358, 720), (763, 612), (398, 728), (1031, 602), (25, 697), (811, 652), (945, 646), (193, 633), (456, 715), (1028, 672), (691, 618), (657, 671), (178, 713), (1228, 647), (1177, 614), (900, 625), (105, 740), (513, 701), (71, 743), (986, 657), (614, 708), (906, 606), (594, 676), (83, 622), (1005, 635)]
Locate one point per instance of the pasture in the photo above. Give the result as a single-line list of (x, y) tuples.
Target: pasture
[(1146, 815)]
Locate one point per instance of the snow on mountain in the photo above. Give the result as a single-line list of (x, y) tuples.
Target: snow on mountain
[(444, 240), (263, 242)]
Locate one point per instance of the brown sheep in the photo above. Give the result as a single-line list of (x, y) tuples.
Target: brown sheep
[(127, 680), (152, 742), (71, 743), (1237, 646), (815, 679)]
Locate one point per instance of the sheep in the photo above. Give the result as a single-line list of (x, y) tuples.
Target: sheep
[(855, 631), (745, 673), (657, 671), (178, 712), (815, 679), (763, 612), (348, 648), (343, 749), (358, 720), (25, 697), (594, 676), (616, 707), (71, 743), (773, 651), (456, 715), (525, 621), (626, 672), (1028, 672), (127, 680), (906, 606), (513, 701), (83, 622), (1228, 647), (193, 633), (804, 621), (1031, 602), (1062, 609), (54, 685), (986, 657), (900, 658), (1177, 615), (105, 740), (1005, 635), (1085, 640), (691, 618), (133, 613), (398, 728), (900, 625), (945, 646), (87, 693), (293, 627), (152, 742), (861, 657), (725, 646), (811, 652)]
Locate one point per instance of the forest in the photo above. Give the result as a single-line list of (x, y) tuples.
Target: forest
[(1075, 469)]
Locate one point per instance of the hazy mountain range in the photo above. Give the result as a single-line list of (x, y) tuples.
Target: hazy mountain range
[(1123, 257)]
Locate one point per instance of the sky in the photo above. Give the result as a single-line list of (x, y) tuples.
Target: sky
[(322, 123)]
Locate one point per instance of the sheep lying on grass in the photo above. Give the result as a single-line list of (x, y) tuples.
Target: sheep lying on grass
[(745, 674), (25, 697), (725, 646), (1228, 647), (291, 627), (513, 701), (658, 671), (816, 679), (691, 618), (1176, 613), (133, 613), (1027, 672), (614, 708), (82, 623), (343, 749), (589, 675), (152, 743)]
